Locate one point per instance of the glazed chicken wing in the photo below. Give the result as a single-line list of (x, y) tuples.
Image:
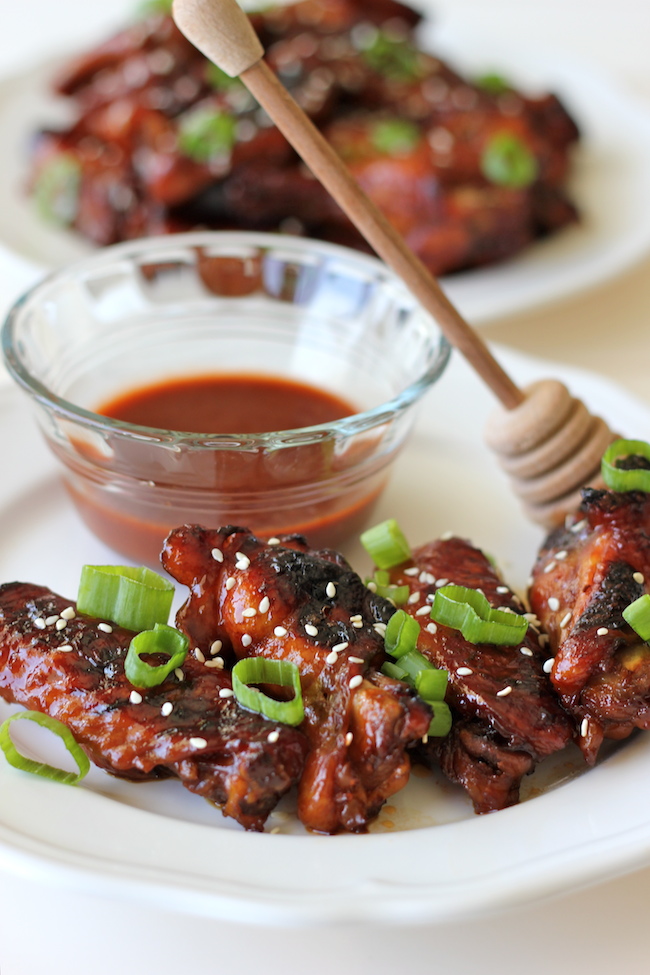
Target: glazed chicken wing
[(282, 601)]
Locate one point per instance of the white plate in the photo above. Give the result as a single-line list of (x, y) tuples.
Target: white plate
[(156, 846), (611, 185)]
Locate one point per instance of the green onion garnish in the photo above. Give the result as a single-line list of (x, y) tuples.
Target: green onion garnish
[(507, 161), (205, 134), (135, 598), (637, 614), (147, 8), (617, 479), (259, 670), (431, 683), (441, 720), (14, 757), (385, 544), (218, 78), (493, 83), (469, 611), (394, 670), (383, 587), (56, 189), (413, 663), (402, 632), (161, 639), (394, 136), (394, 58)]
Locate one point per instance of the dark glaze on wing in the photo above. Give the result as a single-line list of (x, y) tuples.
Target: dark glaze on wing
[(358, 735), (86, 689), (496, 737), (603, 677)]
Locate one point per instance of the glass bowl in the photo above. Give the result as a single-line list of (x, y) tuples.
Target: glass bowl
[(215, 303)]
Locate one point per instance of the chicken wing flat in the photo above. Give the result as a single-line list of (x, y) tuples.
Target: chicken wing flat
[(506, 716), (74, 671), (282, 601), (585, 576)]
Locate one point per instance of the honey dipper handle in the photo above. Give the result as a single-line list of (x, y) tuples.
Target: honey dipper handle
[(223, 32)]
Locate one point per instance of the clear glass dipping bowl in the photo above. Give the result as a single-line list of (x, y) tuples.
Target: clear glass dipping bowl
[(219, 302)]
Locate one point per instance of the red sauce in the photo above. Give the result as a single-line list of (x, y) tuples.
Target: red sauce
[(310, 489)]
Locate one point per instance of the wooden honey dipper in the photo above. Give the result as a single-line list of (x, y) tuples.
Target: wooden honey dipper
[(546, 441)]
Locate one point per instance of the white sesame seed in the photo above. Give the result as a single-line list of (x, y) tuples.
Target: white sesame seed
[(273, 541), (504, 691), (167, 709), (356, 617), (243, 562), (356, 660), (348, 738), (502, 590), (543, 640), (423, 611), (280, 631), (412, 571), (200, 656), (66, 648), (414, 597), (104, 627), (226, 692), (246, 640), (51, 620), (275, 830), (61, 624), (566, 619), (135, 697), (432, 628), (339, 647), (216, 663), (464, 671), (355, 681), (547, 666), (529, 581), (560, 556), (553, 603), (527, 652), (550, 566), (584, 727), (311, 630), (379, 628), (638, 577), (39, 623), (426, 577), (198, 743), (531, 618), (249, 612), (272, 737), (602, 631), (446, 536), (68, 613), (441, 582), (331, 657), (371, 586), (178, 673), (216, 647), (217, 555), (579, 525), (264, 605), (330, 590), (358, 624), (230, 582)]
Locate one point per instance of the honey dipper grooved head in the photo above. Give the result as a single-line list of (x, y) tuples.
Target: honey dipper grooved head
[(550, 446)]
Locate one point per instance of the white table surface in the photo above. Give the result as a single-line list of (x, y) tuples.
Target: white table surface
[(603, 929)]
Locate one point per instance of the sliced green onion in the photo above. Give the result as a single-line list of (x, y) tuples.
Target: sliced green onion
[(441, 721), (431, 683), (14, 757), (624, 480), (637, 614), (205, 134), (56, 189), (259, 670), (394, 136), (402, 632), (507, 161), (414, 663), (218, 78), (393, 58), (493, 83), (386, 544), (469, 611), (383, 587), (161, 639), (135, 598), (394, 670)]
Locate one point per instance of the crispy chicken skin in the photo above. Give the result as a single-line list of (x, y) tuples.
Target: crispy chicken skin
[(283, 601), (214, 747), (506, 717), (585, 576)]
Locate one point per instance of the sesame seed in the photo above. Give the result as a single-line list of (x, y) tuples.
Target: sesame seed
[(502, 590), (216, 647), (167, 709), (531, 618), (357, 616), (273, 736), (39, 623), (68, 613), (246, 640), (426, 577), (61, 624), (441, 582), (547, 667), (265, 605), (432, 628), (104, 627), (446, 536), (226, 692), (423, 611), (217, 555), (273, 541), (348, 738), (330, 590), (243, 562), (311, 630), (135, 697), (200, 656), (371, 586), (464, 671), (602, 631), (543, 640), (638, 577), (550, 566), (355, 681), (216, 663), (553, 603), (250, 612), (579, 525), (527, 652), (51, 620), (412, 571), (560, 556), (379, 628), (504, 691), (339, 647), (331, 658), (198, 743), (66, 648), (566, 619), (280, 631), (230, 582), (356, 660), (584, 727), (358, 624), (414, 597), (178, 673), (425, 739)]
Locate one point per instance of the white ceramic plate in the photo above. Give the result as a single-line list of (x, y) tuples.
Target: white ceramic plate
[(155, 845), (611, 185)]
